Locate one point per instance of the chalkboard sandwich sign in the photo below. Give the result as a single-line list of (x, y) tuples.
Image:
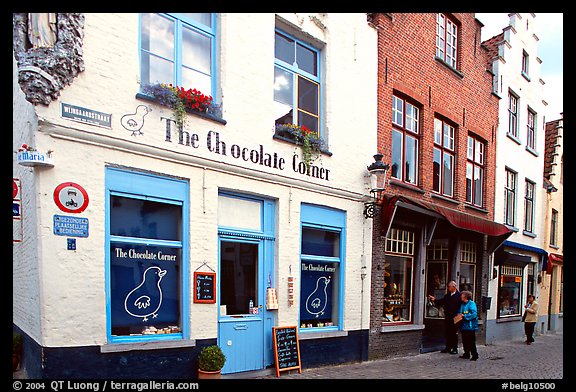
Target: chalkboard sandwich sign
[(204, 285), (286, 349)]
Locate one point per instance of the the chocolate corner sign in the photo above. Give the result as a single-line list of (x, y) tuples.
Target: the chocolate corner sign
[(71, 197)]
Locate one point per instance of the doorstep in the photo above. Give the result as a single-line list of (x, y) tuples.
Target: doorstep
[(250, 374)]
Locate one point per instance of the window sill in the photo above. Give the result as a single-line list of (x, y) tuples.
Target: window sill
[(514, 138), (554, 246), (401, 328), (306, 335), (405, 186), (509, 319), (529, 234), (445, 198), (514, 229), (206, 116), (451, 68), (476, 208), (531, 151), (146, 345), (525, 75), (288, 140), (494, 93)]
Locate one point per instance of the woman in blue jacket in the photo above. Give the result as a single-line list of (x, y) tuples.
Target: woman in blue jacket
[(468, 325)]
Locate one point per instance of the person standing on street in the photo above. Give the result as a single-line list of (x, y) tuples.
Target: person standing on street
[(451, 302), (468, 320), (530, 318)]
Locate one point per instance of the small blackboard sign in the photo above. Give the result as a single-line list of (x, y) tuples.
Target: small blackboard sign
[(286, 349), (204, 284)]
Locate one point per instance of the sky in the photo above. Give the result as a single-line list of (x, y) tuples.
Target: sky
[(549, 29)]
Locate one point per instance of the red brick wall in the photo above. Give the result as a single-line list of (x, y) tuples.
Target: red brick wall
[(406, 50)]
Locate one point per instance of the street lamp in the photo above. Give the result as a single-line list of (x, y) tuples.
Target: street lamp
[(378, 170)]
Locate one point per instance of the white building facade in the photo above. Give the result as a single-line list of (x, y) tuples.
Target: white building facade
[(140, 242), (517, 265)]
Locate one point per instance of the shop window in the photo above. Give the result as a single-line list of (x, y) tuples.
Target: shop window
[(146, 273), (296, 83), (321, 268), (510, 291), (398, 276), (468, 257), (178, 49), (436, 275)]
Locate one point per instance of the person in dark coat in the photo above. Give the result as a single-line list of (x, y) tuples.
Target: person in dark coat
[(451, 302)]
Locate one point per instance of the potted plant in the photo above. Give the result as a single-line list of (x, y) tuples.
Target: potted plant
[(16, 350), (210, 362), (312, 144)]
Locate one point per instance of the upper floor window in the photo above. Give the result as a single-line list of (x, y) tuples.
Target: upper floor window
[(178, 49), (446, 39), (510, 198), (525, 63), (529, 207), (296, 83), (443, 166), (554, 228), (474, 171), (530, 134), (512, 114), (405, 129)]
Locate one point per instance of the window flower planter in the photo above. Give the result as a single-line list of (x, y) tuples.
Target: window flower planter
[(312, 144)]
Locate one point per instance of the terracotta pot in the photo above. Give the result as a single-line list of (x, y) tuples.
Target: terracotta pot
[(206, 375)]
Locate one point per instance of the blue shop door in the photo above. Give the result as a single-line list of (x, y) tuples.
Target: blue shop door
[(241, 328)]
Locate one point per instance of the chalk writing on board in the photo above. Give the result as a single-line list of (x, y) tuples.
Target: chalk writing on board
[(204, 283), (287, 350)]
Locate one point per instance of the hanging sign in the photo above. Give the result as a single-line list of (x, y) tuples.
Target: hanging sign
[(71, 197), (204, 284), (286, 349), (34, 158)]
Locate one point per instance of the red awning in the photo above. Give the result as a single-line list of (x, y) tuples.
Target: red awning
[(553, 258), (497, 232)]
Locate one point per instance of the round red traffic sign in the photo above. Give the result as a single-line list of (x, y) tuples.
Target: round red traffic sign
[(71, 197), (14, 189)]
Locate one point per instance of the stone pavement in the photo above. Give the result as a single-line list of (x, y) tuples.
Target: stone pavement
[(511, 360)]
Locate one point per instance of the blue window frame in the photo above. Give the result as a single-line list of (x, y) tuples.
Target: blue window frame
[(322, 262), (297, 87), (179, 49), (146, 257)]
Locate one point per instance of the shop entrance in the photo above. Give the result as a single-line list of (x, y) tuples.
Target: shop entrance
[(245, 272)]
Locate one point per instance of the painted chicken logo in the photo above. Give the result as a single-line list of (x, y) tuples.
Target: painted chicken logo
[(318, 299), (141, 303)]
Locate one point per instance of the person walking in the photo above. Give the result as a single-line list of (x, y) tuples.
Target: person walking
[(530, 318), (468, 320), (451, 302)]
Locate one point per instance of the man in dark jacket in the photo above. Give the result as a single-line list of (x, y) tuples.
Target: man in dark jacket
[(451, 302)]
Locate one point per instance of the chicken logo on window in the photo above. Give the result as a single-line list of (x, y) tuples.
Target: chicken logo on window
[(140, 302), (318, 299)]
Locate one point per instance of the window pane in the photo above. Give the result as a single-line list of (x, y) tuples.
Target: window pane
[(196, 50), (437, 131), (204, 18), (397, 111), (284, 48), (144, 288), (156, 70), (319, 294), (436, 170), (467, 277), (308, 121), (397, 154), (320, 242), (470, 149), (479, 152), (411, 159), (478, 175), (197, 80), (306, 59), (436, 283), (509, 300), (158, 35), (448, 136), (239, 276), (397, 288), (241, 213), (411, 118), (283, 96), (447, 180), (469, 182), (145, 219), (307, 95)]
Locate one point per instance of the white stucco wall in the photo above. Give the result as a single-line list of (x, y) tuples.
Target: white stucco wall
[(72, 283)]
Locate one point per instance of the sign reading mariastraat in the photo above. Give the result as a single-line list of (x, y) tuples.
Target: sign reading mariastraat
[(256, 155)]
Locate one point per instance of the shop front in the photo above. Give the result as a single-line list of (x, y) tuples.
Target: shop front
[(423, 247)]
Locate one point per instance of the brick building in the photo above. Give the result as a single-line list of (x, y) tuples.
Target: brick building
[(437, 118)]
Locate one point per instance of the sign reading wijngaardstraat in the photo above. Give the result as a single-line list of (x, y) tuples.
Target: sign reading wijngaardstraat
[(256, 155), (87, 116)]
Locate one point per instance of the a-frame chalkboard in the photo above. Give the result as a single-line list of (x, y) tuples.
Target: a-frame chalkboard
[(286, 349)]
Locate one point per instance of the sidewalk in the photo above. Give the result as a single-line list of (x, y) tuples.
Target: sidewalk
[(514, 360)]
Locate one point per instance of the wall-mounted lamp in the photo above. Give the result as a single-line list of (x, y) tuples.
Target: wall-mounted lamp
[(378, 170)]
